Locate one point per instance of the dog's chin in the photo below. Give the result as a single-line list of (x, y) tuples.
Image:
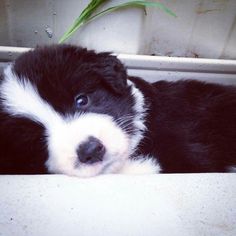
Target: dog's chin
[(91, 170)]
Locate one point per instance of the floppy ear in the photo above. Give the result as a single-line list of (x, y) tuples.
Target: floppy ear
[(112, 72)]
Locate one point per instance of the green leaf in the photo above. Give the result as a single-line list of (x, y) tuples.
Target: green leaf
[(86, 15), (83, 17), (132, 4)]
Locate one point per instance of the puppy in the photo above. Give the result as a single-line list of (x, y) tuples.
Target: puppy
[(68, 110)]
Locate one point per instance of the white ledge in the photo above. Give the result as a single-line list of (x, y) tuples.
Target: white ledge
[(177, 204), (151, 62)]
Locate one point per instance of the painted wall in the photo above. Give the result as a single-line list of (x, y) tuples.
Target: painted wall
[(203, 28)]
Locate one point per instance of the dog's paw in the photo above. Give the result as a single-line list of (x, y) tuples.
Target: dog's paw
[(140, 165)]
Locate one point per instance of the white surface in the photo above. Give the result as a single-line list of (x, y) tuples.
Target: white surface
[(202, 28), (114, 205), (153, 68)]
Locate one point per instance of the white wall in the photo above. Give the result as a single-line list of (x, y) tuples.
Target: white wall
[(44, 21), (203, 28)]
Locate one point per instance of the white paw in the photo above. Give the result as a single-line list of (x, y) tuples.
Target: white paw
[(140, 165)]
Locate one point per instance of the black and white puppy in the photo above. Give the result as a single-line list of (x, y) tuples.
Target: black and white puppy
[(65, 109)]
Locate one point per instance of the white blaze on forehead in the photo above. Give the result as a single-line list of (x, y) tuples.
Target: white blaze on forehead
[(64, 134), (21, 98)]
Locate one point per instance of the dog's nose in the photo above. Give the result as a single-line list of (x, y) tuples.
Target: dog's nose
[(91, 151)]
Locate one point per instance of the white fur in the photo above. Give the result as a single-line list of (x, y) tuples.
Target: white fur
[(140, 165), (65, 138), (139, 119), (22, 99)]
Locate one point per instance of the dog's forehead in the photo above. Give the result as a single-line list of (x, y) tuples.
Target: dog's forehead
[(58, 61), (60, 67)]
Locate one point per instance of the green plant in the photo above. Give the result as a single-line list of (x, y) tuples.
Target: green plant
[(87, 14)]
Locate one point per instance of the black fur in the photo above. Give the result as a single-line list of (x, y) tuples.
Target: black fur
[(191, 126)]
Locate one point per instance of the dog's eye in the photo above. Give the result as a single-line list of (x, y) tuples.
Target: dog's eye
[(81, 101)]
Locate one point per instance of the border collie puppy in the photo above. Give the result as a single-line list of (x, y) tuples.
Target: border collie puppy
[(65, 109)]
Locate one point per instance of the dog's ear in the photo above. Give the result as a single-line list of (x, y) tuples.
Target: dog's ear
[(112, 72)]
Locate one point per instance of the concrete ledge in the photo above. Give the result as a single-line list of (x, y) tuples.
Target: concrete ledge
[(177, 204)]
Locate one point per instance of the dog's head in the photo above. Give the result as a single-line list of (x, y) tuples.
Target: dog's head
[(91, 114)]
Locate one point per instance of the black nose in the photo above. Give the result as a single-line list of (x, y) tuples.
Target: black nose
[(91, 151)]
